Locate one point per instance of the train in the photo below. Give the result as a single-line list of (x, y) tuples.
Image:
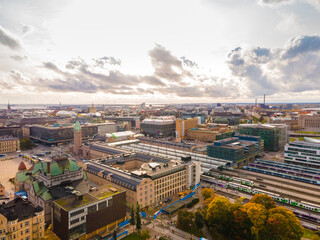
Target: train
[(232, 179), (307, 216), (282, 175), (288, 166), (282, 170), (305, 205)]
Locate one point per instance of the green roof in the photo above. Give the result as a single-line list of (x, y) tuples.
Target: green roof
[(22, 176), (57, 168), (77, 126), (41, 191)]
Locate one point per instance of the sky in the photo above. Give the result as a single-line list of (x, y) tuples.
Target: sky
[(168, 51)]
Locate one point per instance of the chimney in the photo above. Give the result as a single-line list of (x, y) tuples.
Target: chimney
[(48, 168)]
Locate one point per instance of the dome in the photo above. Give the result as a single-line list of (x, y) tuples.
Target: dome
[(22, 166)]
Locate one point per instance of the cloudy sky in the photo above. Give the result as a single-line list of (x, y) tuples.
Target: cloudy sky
[(168, 51)]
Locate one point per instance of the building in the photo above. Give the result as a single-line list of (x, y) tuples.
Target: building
[(92, 109), (2, 190), (83, 216), (11, 131), (21, 220), (275, 136), (9, 144), (158, 127), (239, 149), (56, 133), (182, 125), (309, 122), (77, 133), (303, 153), (42, 182), (147, 179)]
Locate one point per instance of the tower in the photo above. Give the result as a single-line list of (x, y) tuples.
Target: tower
[(77, 138), (92, 109), (9, 107)]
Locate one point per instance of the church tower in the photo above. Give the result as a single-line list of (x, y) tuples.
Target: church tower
[(77, 138)]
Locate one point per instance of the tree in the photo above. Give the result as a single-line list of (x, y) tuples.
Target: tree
[(220, 215), (207, 193), (114, 235), (264, 200), (241, 228), (132, 219), (185, 219), (138, 219), (282, 224), (26, 143), (257, 215), (199, 220)]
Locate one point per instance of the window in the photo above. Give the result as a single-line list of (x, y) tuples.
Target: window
[(76, 212), (27, 223), (102, 205), (27, 230), (74, 221), (92, 209), (110, 202)]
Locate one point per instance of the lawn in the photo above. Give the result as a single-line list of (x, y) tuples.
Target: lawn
[(137, 236), (309, 234)]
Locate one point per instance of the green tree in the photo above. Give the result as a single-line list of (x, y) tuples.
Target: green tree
[(264, 200), (132, 219), (26, 143), (199, 220), (185, 220), (138, 219), (114, 235)]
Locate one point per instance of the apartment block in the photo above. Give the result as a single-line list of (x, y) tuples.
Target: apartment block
[(9, 144), (20, 220)]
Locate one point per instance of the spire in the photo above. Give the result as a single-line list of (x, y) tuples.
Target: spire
[(77, 126)]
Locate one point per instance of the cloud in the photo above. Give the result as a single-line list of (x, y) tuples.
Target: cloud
[(166, 65), (188, 62), (302, 44), (26, 29), (101, 62), (19, 58), (8, 40), (293, 68), (274, 1)]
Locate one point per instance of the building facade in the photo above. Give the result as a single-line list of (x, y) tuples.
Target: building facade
[(310, 123), (275, 136), (9, 144), (303, 153), (20, 220), (158, 127), (182, 125), (239, 149), (83, 216)]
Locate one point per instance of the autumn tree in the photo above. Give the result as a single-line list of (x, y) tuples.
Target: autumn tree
[(241, 228), (265, 200), (257, 215), (220, 215), (281, 224), (207, 193)]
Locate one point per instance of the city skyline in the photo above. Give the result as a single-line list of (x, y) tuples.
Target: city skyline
[(78, 52)]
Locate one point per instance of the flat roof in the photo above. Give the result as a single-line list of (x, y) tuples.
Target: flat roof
[(96, 194)]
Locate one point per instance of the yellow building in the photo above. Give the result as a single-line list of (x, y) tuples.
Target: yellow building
[(19, 220), (182, 125), (9, 144)]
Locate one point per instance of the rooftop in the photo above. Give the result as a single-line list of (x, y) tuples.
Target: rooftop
[(78, 200), (18, 209)]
